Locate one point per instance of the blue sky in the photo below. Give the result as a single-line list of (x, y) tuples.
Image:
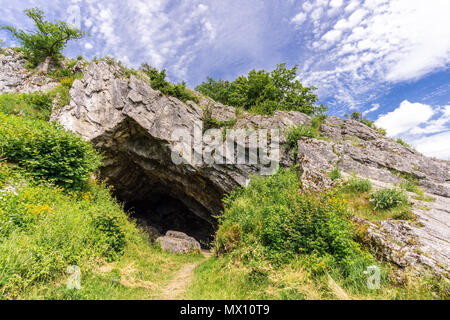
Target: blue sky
[(388, 59)]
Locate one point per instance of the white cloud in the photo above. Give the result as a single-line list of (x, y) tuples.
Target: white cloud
[(332, 35), (317, 13), (437, 125), (375, 107), (336, 3), (420, 125), (353, 20), (307, 6), (352, 5), (299, 18), (381, 43), (406, 117), (434, 146)]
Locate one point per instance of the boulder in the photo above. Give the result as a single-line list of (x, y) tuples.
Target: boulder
[(178, 242)]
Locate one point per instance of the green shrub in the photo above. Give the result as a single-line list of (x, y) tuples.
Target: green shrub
[(294, 134), (357, 184), (158, 82), (409, 185), (113, 235), (389, 198), (335, 174), (47, 151), (381, 131), (278, 222), (44, 229), (403, 143), (32, 105)]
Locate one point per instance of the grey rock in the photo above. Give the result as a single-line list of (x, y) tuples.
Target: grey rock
[(14, 77), (178, 242)]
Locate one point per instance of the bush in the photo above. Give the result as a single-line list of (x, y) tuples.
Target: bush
[(32, 105), (47, 151), (356, 184), (294, 134), (335, 174), (114, 236), (264, 92), (44, 229), (279, 222), (389, 198), (158, 82), (403, 143)]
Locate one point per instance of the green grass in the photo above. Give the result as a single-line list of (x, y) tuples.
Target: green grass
[(389, 198), (34, 105), (141, 274), (335, 174), (226, 278), (403, 143), (358, 185)]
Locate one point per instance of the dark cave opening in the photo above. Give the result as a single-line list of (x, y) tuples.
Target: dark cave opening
[(159, 213), (158, 193)]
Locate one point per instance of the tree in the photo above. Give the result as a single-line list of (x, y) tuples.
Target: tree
[(45, 44), (356, 116), (264, 92)]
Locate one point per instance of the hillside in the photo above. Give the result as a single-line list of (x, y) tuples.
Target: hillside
[(346, 197)]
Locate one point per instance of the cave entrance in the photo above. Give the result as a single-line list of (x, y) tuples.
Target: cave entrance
[(159, 194), (160, 213)]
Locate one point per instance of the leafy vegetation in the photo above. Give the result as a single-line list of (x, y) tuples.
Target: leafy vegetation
[(158, 82), (335, 174), (411, 185), (389, 198), (47, 42), (276, 242), (47, 151), (357, 184), (33, 105), (44, 228), (278, 222), (294, 134), (264, 92), (403, 143)]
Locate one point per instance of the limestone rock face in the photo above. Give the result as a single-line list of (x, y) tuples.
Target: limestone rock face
[(178, 242), (15, 78), (132, 125)]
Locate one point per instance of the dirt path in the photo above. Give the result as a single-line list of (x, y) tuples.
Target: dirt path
[(176, 288)]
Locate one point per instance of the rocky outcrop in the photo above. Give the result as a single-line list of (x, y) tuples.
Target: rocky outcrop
[(132, 125), (354, 147), (178, 242), (14, 77)]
